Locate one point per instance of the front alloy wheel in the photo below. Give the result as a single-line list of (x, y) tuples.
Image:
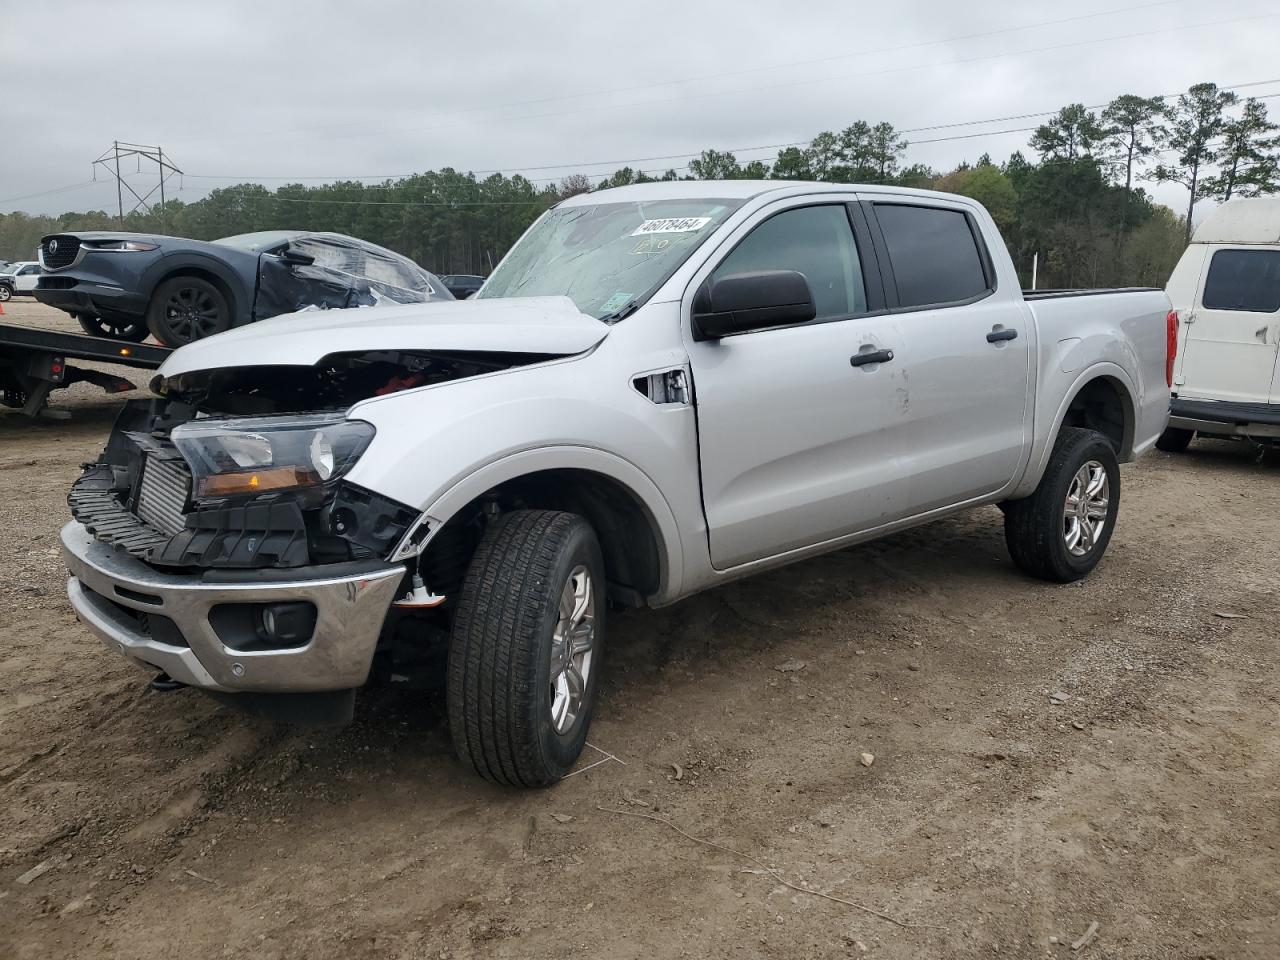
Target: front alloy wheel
[(572, 645)]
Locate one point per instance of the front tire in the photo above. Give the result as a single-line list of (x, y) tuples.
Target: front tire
[(184, 309), (1175, 440), (1061, 531), (6, 294), (524, 654)]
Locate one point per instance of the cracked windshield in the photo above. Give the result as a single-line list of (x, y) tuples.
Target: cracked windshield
[(609, 256)]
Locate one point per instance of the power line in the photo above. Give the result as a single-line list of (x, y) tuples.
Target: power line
[(900, 69), (574, 166), (624, 163), (879, 72), (617, 164), (45, 193), (805, 82), (500, 203)]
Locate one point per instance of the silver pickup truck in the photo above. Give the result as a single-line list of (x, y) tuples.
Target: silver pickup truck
[(661, 388)]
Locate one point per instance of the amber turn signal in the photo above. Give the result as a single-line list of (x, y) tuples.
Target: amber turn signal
[(253, 481)]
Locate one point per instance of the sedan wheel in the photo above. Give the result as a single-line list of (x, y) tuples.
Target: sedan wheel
[(185, 309), (131, 331)]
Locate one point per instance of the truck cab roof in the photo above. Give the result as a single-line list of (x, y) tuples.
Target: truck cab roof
[(735, 190)]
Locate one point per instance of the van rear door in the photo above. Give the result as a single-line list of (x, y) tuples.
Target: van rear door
[(1233, 332)]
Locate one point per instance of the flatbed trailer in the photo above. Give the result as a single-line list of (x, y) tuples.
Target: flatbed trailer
[(33, 363)]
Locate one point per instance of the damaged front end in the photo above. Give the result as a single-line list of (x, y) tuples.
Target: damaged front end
[(236, 493), (218, 543), (242, 467)]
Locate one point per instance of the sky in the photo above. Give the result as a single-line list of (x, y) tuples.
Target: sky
[(238, 91)]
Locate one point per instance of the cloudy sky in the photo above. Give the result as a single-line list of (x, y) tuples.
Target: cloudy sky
[(275, 92)]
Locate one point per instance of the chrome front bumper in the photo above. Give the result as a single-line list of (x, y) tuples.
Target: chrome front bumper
[(106, 583)]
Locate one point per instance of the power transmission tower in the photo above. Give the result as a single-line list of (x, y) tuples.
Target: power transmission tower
[(120, 150)]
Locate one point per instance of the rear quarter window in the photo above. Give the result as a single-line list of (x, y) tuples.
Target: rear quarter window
[(1245, 280), (934, 254)]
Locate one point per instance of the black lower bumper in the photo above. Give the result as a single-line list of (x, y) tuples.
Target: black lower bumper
[(1226, 412), (95, 300)]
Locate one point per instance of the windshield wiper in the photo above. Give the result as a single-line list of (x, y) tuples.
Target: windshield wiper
[(627, 309)]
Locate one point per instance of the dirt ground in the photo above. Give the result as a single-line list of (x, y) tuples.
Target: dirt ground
[(1046, 757)]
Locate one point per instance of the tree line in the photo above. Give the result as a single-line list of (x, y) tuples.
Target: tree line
[(1074, 203)]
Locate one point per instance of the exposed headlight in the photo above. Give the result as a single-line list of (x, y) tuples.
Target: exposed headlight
[(267, 454), (129, 246)]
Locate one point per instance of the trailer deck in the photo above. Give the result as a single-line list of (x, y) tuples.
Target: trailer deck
[(35, 362)]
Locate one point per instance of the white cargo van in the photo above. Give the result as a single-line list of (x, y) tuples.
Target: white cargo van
[(1226, 290)]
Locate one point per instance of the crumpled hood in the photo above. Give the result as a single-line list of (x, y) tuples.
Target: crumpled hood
[(549, 325)]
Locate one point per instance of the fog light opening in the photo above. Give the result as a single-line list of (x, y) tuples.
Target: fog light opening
[(286, 624)]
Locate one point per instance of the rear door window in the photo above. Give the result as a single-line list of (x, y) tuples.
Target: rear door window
[(1245, 280), (934, 254)]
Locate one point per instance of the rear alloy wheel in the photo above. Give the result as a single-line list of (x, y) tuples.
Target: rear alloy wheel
[(1175, 440), (524, 655), (131, 331), (1061, 531), (185, 309)]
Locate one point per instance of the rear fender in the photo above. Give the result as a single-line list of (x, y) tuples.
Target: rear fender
[(1044, 440)]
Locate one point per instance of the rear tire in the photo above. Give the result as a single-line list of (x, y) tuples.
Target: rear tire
[(1175, 440), (185, 309), (524, 654), (1061, 531), (130, 331)]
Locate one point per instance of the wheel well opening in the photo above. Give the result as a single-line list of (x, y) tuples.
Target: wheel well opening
[(1103, 405), (203, 274), (624, 527)]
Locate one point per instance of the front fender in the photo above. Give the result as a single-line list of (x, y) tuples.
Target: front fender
[(240, 280), (662, 519), (438, 447)]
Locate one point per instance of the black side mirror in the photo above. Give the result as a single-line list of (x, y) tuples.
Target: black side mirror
[(751, 301)]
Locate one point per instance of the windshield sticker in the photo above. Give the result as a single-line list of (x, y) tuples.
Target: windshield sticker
[(617, 302), (650, 245), (671, 225)]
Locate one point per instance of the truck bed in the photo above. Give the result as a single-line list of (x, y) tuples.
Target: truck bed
[(1052, 294)]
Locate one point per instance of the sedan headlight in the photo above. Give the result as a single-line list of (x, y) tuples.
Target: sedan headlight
[(127, 246), (255, 455)]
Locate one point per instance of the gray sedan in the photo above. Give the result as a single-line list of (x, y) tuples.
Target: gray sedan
[(126, 285)]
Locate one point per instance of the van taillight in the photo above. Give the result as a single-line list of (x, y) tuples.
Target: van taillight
[(1171, 346)]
